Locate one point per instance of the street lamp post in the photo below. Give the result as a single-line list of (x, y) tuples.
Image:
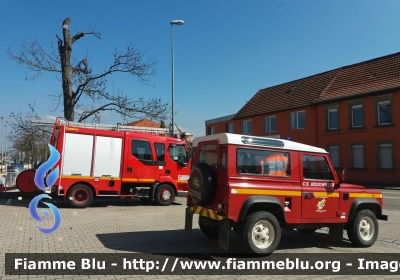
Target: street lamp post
[(174, 22)]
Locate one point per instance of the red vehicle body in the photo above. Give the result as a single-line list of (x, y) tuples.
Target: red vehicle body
[(103, 162), (232, 185)]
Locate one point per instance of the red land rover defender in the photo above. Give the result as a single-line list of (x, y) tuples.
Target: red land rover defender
[(258, 186)]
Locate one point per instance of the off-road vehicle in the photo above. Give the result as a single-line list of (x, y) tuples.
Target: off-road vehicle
[(258, 186)]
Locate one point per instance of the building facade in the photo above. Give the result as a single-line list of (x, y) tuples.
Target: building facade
[(353, 112)]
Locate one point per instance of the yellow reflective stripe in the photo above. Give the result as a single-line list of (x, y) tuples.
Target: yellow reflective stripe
[(373, 195), (181, 181), (204, 213), (129, 180), (328, 194), (211, 214), (88, 177), (265, 192), (146, 180), (76, 177)]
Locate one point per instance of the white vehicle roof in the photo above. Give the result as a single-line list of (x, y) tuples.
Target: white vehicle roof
[(251, 141)]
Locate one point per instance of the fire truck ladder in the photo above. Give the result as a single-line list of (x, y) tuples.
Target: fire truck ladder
[(118, 127)]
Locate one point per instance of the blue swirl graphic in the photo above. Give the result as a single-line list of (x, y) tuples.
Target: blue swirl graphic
[(40, 177), (34, 213), (46, 166)]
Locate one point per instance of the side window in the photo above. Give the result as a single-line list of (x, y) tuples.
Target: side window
[(223, 159), (316, 167), (264, 162), (160, 151), (141, 150), (178, 153)]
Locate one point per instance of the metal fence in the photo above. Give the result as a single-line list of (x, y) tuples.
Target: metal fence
[(7, 180)]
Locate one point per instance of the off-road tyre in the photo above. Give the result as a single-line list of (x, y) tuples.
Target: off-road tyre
[(363, 230), (260, 233)]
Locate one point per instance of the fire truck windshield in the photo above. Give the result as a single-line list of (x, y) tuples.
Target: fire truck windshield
[(178, 153)]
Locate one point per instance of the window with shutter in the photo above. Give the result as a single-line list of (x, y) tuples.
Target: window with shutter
[(385, 156), (334, 155), (357, 156)]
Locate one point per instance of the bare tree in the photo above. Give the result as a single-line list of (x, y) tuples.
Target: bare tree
[(28, 139), (84, 92)]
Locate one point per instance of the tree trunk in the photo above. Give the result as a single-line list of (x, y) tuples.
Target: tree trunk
[(65, 56)]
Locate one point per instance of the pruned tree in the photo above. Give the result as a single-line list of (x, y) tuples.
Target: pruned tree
[(28, 139), (85, 93)]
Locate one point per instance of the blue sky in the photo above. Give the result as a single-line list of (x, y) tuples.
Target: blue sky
[(224, 53)]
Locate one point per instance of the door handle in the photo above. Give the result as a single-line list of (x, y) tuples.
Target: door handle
[(309, 195), (129, 169)]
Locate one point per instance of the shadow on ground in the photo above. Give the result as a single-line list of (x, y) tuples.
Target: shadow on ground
[(179, 241), (23, 200)]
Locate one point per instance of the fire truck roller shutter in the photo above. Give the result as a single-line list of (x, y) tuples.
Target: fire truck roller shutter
[(202, 184)]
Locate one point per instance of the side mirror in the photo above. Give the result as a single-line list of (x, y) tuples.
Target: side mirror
[(181, 163)]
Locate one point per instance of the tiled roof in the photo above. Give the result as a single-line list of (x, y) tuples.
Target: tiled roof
[(143, 123), (365, 77)]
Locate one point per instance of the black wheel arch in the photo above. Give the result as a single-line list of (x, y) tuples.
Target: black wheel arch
[(365, 203), (262, 203)]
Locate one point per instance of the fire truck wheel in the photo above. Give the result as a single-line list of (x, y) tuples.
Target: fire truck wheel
[(260, 233), (165, 195), (80, 196), (208, 228), (363, 230), (202, 184)]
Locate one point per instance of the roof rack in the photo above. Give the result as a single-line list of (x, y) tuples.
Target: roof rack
[(117, 127)]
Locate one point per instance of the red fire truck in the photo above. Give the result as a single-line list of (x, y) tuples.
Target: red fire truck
[(107, 160)]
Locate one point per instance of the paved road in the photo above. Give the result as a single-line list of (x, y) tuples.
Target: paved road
[(128, 226), (391, 199)]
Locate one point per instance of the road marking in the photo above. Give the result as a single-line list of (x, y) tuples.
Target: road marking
[(391, 197), (8, 201)]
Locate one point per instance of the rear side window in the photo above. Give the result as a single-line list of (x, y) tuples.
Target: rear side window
[(263, 162), (141, 150), (316, 167), (223, 159), (209, 154), (194, 156)]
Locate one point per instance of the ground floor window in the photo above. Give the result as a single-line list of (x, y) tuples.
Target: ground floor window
[(385, 155), (357, 156), (334, 153)]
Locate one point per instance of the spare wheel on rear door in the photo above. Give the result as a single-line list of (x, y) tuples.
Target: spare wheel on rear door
[(202, 184)]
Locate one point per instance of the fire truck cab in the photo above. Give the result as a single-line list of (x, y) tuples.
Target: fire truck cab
[(258, 186), (118, 162)]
